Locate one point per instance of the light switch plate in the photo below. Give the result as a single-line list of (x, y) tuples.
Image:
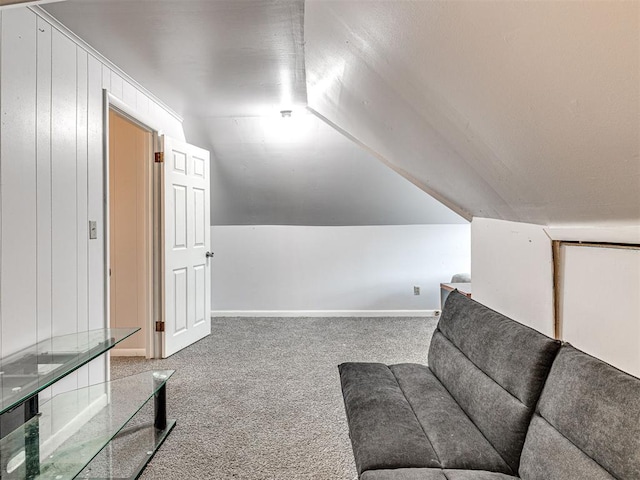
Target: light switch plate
[(93, 230)]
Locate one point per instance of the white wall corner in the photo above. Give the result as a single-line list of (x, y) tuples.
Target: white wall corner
[(512, 271)]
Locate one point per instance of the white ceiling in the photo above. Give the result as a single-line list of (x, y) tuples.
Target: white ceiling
[(201, 57), (526, 111), (300, 171), (228, 67)]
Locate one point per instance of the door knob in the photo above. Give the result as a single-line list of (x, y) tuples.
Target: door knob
[(209, 254)]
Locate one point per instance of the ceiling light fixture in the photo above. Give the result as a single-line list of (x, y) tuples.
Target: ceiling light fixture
[(285, 113)]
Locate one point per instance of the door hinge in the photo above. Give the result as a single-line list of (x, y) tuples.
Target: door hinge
[(159, 326), (159, 157)]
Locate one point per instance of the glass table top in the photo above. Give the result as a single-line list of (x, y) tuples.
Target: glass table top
[(73, 427), (33, 369)]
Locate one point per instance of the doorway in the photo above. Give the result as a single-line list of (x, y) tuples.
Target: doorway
[(130, 208)]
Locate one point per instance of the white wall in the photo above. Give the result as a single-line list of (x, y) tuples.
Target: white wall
[(51, 165), (600, 307), (599, 294), (512, 271), (327, 269)]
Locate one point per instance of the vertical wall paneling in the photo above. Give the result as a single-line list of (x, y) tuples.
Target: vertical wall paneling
[(106, 78), (82, 221), (52, 277), (43, 187), (142, 104), (153, 109), (96, 281), (104, 180), (64, 183), (1, 43), (129, 94), (63, 192), (116, 85), (43, 179), (18, 173), (95, 194)]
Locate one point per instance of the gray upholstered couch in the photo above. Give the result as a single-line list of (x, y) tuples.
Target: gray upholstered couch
[(497, 401)]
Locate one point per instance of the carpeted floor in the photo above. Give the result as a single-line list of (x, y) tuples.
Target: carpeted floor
[(260, 397)]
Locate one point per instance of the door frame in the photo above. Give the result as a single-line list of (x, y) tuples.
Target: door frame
[(153, 219)]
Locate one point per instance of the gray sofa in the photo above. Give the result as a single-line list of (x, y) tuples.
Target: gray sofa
[(497, 401)]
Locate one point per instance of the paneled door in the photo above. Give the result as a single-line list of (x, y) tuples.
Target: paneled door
[(187, 274)]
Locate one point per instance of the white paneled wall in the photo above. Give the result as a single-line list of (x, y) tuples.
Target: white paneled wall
[(52, 278), (17, 174)]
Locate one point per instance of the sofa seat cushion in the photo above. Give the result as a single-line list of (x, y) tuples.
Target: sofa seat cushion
[(456, 440), (385, 433), (432, 474), (401, 417), (587, 423)]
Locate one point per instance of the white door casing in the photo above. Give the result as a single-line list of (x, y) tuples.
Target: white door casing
[(187, 294)]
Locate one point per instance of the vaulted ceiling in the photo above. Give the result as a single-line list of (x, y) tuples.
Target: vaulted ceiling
[(523, 111), (526, 111), (229, 67), (208, 58)]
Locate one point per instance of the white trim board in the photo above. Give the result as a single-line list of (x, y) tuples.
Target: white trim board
[(325, 313), (597, 233)]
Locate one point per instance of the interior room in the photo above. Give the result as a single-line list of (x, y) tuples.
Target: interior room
[(207, 206)]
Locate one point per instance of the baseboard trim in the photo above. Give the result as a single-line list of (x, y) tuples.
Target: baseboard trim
[(325, 313), (128, 352)]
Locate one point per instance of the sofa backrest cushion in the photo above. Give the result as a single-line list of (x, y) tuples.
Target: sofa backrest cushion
[(516, 357), (495, 369), (588, 419)]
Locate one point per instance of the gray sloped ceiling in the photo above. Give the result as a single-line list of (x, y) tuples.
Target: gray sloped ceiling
[(300, 171), (229, 67), (525, 111)]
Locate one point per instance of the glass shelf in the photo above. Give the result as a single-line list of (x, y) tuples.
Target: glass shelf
[(27, 372), (130, 451), (74, 428)]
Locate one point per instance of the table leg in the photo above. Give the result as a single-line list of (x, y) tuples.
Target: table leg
[(32, 438), (160, 408)]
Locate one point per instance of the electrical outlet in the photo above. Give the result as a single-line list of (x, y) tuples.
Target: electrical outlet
[(416, 290)]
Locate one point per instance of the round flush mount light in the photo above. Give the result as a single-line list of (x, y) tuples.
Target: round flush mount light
[(285, 113)]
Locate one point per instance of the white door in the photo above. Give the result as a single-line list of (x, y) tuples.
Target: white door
[(187, 274)]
